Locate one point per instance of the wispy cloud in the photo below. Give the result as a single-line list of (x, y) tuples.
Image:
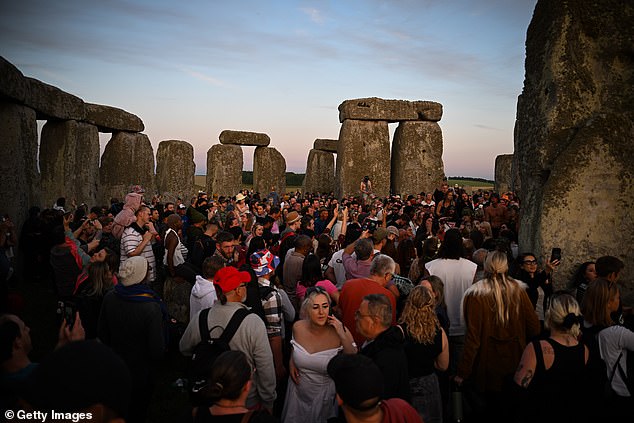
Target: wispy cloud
[(210, 79), (314, 14), (490, 128)]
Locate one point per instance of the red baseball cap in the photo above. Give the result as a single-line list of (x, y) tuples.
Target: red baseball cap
[(229, 278)]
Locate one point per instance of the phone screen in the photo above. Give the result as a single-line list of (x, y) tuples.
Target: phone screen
[(556, 254)]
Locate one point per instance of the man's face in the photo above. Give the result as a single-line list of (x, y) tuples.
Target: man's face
[(444, 188), (143, 216), (155, 215), (364, 321), (182, 212), (226, 249), (323, 215), (169, 207), (25, 334)]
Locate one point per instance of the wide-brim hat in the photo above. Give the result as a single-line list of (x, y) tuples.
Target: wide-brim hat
[(264, 262), (292, 217), (133, 270), (240, 197)]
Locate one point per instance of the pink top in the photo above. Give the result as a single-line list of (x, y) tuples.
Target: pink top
[(326, 284)]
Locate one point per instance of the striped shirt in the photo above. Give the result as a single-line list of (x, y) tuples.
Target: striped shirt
[(130, 239), (272, 305)]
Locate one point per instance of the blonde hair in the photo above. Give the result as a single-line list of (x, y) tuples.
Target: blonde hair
[(505, 289), (487, 229), (309, 300), (564, 314), (420, 316)]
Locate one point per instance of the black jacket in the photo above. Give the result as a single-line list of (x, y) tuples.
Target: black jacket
[(388, 353)]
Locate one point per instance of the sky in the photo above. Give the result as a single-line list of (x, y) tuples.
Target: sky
[(192, 69)]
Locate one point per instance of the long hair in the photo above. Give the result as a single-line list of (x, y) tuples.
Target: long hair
[(311, 271), (505, 290), (420, 316), (100, 279), (595, 302)]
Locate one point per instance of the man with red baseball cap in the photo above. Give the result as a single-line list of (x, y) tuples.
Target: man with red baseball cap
[(250, 338)]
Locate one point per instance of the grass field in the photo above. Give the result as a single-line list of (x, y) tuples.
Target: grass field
[(468, 184)]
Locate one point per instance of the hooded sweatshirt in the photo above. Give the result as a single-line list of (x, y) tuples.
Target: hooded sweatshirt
[(203, 296), (126, 216)]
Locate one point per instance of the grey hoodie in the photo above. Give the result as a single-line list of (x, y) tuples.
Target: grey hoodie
[(203, 296)]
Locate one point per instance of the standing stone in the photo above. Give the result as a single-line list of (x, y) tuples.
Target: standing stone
[(69, 162), (19, 189), (128, 159), (326, 145), (504, 173), (175, 169), (269, 170), (390, 110), (417, 164), (224, 169), (244, 138), (574, 135), (320, 172), (364, 150), (13, 84)]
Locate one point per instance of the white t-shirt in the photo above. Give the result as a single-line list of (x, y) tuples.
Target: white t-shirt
[(457, 276), (336, 262)]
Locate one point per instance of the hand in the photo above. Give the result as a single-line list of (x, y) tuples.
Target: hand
[(93, 244), (294, 373), (147, 236), (366, 234), (338, 325), (151, 228), (67, 334), (97, 224), (550, 266)]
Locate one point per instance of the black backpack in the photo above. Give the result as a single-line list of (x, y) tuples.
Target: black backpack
[(207, 351)]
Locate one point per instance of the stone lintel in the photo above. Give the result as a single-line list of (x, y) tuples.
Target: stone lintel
[(374, 108), (244, 138)]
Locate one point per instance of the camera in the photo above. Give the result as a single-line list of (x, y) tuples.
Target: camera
[(369, 226)]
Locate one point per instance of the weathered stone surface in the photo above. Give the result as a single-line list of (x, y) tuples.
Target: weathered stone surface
[(12, 81), (244, 138), (504, 173), (390, 110), (417, 164), (128, 159), (19, 188), (224, 169), (320, 172), (69, 162), (574, 134), (269, 170), (111, 119), (175, 169), (176, 294), (50, 102), (326, 145), (364, 149)]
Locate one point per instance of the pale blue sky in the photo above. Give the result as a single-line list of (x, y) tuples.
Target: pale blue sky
[(192, 69)]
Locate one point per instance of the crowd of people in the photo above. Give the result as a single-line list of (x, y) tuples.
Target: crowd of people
[(360, 309)]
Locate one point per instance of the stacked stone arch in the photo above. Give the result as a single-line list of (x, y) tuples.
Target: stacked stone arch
[(414, 163)]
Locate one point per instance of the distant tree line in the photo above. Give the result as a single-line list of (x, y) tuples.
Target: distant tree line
[(292, 179), (470, 178)]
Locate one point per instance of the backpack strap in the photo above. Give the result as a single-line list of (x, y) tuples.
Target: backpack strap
[(234, 324), (203, 327), (265, 291)]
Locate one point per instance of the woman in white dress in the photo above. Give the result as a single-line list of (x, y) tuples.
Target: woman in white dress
[(317, 337)]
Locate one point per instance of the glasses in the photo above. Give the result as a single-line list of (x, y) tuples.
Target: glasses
[(358, 315), (530, 262), (317, 289)]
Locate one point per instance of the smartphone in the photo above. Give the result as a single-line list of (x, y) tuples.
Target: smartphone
[(555, 254), (66, 311)]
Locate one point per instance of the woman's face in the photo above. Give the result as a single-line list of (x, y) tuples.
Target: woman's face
[(259, 231), (99, 256), (591, 273), (319, 310), (449, 196), (529, 264)]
